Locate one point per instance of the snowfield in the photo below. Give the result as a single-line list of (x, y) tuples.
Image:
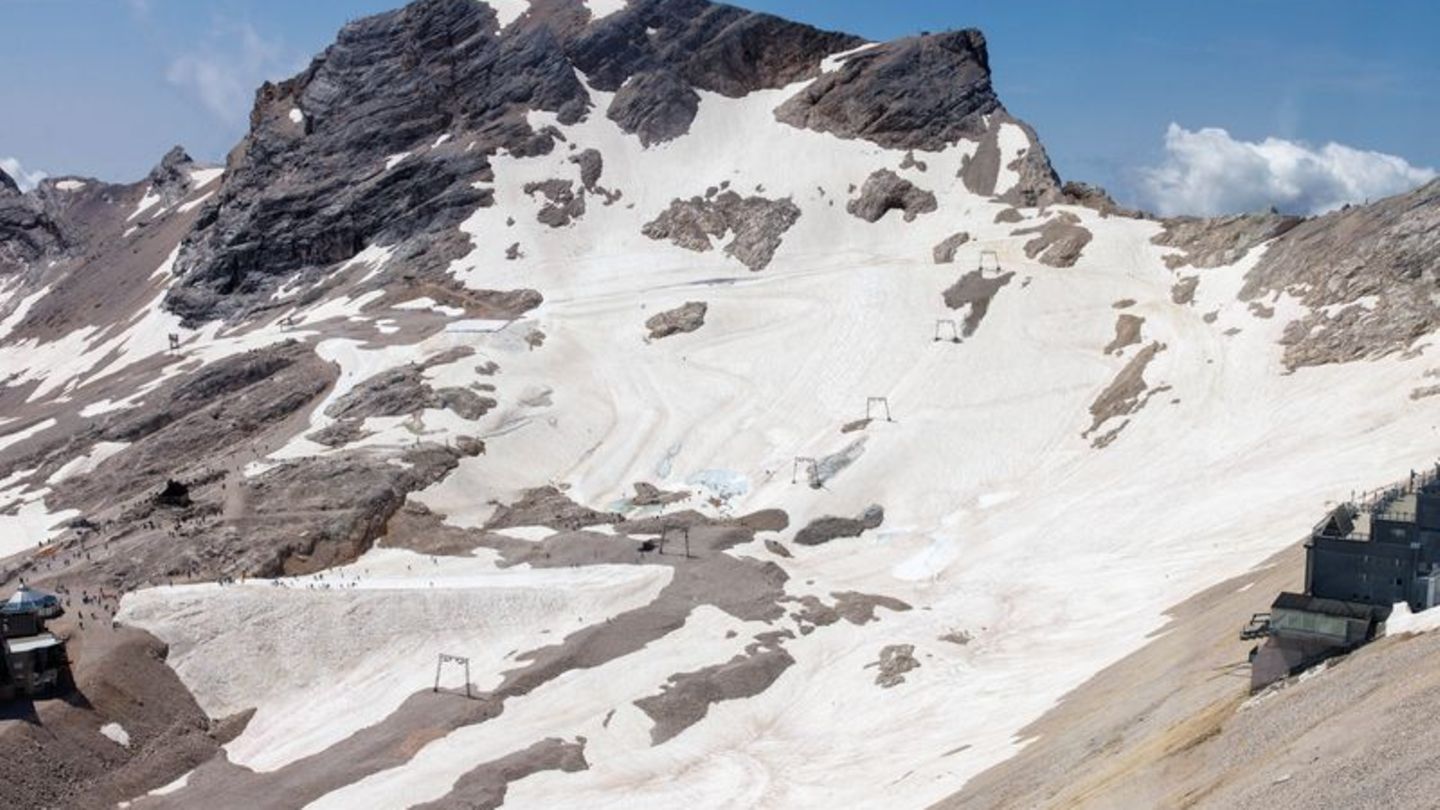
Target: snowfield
[(1052, 556)]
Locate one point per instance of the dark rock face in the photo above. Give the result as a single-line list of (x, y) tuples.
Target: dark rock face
[(885, 191), (308, 187), (919, 93), (685, 318), (27, 232), (309, 194), (657, 105), (711, 47), (758, 224), (171, 179)]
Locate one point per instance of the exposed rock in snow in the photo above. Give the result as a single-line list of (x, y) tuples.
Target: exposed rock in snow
[(758, 224), (562, 206), (1182, 292), (1127, 333), (1011, 165), (823, 530), (895, 661), (944, 252), (1125, 395), (687, 697), (1059, 242), (685, 318), (885, 191), (486, 785), (975, 290)]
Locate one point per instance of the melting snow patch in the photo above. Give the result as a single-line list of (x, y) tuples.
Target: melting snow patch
[(508, 10), (146, 203), (533, 534), (81, 465), (21, 435), (1403, 621), (393, 160), (440, 141), (70, 185), (297, 116), (116, 733), (835, 61), (195, 203), (600, 9), (203, 177), (1011, 140)]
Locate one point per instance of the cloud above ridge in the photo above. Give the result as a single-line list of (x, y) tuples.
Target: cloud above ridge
[(23, 178), (1208, 172)]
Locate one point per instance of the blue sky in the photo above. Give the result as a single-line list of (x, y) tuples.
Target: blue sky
[(104, 87)]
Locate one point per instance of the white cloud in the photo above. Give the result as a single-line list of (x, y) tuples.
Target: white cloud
[(1207, 172), (225, 73), (26, 180)]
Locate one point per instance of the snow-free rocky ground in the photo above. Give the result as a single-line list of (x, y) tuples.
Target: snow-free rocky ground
[(691, 566)]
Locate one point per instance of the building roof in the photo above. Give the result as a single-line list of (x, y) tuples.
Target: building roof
[(30, 643), (1330, 607), (32, 600)]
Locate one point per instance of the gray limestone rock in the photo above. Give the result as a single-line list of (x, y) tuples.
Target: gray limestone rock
[(657, 106), (1058, 242), (944, 253), (924, 92), (685, 318), (823, 530), (1368, 273), (757, 223), (885, 191)]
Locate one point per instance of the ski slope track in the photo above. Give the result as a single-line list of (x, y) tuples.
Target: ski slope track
[(1032, 534)]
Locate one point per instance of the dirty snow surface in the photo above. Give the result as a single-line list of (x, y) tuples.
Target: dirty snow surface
[(1039, 515)]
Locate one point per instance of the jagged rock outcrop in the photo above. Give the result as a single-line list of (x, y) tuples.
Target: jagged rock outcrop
[(348, 153), (685, 318), (656, 105), (170, 180), (316, 180), (924, 92), (885, 191), (1368, 273), (758, 225), (27, 232), (654, 54), (1096, 199), (1218, 241)]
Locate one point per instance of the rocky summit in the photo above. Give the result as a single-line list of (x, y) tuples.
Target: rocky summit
[(654, 403)]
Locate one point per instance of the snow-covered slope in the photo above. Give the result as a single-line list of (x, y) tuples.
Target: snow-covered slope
[(1091, 448)]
